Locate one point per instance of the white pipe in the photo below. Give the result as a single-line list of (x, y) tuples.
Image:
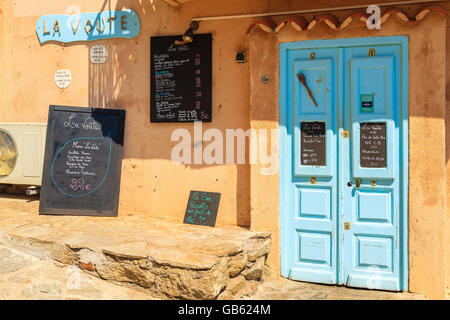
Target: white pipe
[(258, 15)]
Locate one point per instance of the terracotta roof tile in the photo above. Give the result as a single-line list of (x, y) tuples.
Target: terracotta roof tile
[(299, 23)]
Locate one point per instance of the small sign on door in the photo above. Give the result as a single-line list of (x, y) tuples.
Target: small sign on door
[(367, 103)]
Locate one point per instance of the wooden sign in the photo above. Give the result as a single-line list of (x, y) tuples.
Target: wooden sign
[(181, 79), (202, 208), (313, 143), (88, 26), (83, 161), (372, 145)]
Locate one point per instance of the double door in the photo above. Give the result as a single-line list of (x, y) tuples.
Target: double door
[(343, 120)]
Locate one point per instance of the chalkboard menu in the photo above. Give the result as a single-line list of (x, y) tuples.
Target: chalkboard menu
[(83, 161), (372, 144), (181, 79), (312, 143), (202, 208)]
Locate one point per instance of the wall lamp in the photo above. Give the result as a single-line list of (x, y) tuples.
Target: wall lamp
[(188, 36)]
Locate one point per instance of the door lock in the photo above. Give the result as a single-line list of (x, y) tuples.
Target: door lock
[(347, 225)]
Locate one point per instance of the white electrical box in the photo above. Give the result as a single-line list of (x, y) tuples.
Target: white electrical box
[(22, 148)]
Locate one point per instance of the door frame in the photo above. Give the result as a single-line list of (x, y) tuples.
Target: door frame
[(285, 141)]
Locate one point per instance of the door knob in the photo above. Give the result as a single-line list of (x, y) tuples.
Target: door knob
[(349, 183)]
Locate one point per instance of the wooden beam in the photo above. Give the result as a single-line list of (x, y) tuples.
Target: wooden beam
[(173, 3)]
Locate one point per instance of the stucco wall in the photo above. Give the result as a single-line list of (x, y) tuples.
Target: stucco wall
[(151, 184), (447, 137), (427, 191)]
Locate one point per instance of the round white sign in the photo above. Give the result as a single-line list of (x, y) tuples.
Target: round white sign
[(63, 78), (98, 54)]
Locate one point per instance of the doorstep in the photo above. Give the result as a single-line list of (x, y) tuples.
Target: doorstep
[(170, 260)]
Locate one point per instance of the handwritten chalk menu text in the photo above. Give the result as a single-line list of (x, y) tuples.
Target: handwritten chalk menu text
[(181, 79), (202, 208), (82, 165), (312, 143), (372, 145)]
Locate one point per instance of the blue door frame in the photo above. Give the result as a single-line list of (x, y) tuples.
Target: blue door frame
[(338, 120)]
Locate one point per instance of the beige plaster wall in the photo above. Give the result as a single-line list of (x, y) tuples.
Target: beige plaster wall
[(428, 267), (152, 184), (447, 137)]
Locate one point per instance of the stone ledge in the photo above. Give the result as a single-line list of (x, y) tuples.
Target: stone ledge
[(170, 260)]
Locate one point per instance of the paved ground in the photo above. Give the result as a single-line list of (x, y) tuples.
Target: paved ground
[(25, 277), (283, 289), (38, 276)]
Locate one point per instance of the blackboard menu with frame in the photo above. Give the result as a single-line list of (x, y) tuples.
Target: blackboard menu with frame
[(372, 145), (202, 208), (313, 143), (83, 161), (181, 79)]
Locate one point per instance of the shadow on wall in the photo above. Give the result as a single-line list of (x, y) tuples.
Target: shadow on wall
[(124, 82)]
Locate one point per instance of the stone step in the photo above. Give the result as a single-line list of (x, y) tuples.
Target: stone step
[(169, 259), (24, 277)]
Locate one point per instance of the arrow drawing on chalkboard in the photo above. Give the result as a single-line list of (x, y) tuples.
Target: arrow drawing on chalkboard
[(78, 165)]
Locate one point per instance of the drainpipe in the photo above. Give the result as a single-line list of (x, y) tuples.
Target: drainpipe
[(285, 13)]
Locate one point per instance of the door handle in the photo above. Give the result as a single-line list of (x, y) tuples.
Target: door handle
[(358, 183)]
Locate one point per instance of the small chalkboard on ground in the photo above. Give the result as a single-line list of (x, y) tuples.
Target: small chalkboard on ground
[(202, 208)]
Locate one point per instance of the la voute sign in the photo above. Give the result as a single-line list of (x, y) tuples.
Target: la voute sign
[(88, 26)]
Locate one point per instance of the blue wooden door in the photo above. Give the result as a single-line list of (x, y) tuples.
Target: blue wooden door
[(311, 158), (343, 169)]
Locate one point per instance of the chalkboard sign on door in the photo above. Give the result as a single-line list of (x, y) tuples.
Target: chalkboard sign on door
[(372, 145), (313, 143), (202, 208), (181, 79), (83, 161)]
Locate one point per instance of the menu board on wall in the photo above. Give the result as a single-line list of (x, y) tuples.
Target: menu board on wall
[(373, 144), (83, 161), (181, 79), (312, 143)]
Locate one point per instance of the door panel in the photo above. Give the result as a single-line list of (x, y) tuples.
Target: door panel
[(342, 180), (313, 188), (372, 76), (370, 168)]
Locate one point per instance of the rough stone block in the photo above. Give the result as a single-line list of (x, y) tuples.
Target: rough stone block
[(236, 264), (256, 271)]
